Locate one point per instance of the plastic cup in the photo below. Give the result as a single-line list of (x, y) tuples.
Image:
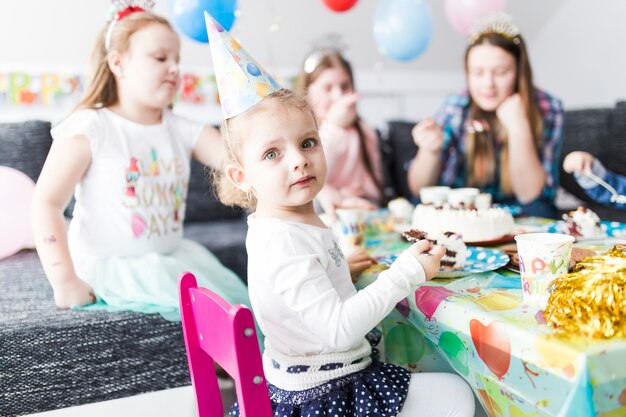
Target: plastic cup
[(434, 195), (350, 229), (542, 258)]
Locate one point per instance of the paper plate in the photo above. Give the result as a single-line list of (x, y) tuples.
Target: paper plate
[(477, 260)]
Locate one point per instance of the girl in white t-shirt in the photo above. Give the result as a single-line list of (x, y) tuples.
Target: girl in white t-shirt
[(126, 157), (317, 360)]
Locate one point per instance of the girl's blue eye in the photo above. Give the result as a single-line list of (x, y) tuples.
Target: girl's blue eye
[(271, 155), (308, 143)]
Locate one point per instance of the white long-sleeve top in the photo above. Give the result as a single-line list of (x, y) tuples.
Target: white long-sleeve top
[(306, 305)]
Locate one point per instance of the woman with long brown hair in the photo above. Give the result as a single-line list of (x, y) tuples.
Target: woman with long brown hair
[(502, 135)]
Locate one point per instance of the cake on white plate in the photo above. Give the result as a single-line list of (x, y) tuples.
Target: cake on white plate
[(584, 223), (456, 251)]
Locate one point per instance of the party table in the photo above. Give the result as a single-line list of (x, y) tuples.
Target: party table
[(479, 326)]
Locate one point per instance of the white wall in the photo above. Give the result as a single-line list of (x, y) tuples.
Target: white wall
[(576, 47)]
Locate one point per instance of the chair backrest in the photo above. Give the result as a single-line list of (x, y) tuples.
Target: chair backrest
[(216, 331)]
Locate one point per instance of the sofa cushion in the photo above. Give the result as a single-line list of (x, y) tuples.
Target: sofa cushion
[(601, 132), (24, 146), (226, 239), (398, 151), (202, 204), (54, 358)]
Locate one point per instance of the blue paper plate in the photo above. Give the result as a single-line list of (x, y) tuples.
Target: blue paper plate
[(477, 260), (612, 229)]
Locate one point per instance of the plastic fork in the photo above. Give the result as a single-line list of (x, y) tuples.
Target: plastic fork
[(615, 197)]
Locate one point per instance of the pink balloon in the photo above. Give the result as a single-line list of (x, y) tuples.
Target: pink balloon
[(16, 195), (462, 13), (427, 299)]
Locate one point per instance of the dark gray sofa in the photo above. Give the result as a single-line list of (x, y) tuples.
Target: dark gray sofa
[(52, 358), (601, 132)]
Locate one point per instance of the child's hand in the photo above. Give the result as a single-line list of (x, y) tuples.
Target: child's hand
[(428, 135), (578, 161), (429, 256), (73, 292), (358, 262), (342, 112)]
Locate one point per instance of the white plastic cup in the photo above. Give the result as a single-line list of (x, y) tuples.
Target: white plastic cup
[(542, 258), (350, 229)]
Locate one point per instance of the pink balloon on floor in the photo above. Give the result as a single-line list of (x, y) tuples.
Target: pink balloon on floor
[(16, 194), (461, 14)]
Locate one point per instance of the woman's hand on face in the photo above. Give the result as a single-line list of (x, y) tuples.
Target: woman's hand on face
[(577, 161), (511, 113), (428, 135), (74, 292), (342, 112)]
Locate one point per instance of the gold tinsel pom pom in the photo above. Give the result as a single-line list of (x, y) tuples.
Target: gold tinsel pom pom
[(591, 300)]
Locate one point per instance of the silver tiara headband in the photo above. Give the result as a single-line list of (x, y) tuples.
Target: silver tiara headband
[(500, 23), (328, 45), (122, 8)]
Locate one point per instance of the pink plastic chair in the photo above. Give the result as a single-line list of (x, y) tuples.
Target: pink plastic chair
[(216, 331)]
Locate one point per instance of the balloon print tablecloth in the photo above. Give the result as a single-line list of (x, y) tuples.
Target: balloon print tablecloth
[(478, 326)]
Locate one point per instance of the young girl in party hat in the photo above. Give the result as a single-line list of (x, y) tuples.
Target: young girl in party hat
[(126, 157), (316, 359)]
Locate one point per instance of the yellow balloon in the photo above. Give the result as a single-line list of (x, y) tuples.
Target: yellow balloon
[(516, 412), (554, 353), (499, 300)]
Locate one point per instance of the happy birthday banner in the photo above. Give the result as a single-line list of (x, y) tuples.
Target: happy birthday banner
[(56, 89)]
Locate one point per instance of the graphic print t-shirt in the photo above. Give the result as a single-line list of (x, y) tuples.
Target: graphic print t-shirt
[(131, 200)]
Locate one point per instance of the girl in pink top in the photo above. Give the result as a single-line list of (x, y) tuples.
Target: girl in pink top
[(351, 146)]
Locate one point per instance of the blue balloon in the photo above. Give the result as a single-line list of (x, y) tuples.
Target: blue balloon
[(187, 16), (403, 28)]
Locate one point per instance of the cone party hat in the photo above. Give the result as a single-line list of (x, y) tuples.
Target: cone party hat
[(241, 81)]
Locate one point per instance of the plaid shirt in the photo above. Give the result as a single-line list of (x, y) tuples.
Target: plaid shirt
[(596, 191), (453, 116)]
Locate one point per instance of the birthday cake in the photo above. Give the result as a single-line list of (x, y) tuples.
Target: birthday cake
[(456, 251), (583, 223), (475, 223)]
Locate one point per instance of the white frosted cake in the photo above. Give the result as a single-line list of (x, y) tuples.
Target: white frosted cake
[(475, 225), (584, 223)]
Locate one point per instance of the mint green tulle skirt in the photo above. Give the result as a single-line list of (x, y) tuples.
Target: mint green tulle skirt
[(149, 283)]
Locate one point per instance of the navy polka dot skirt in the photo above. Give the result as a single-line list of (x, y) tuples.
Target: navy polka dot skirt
[(377, 391)]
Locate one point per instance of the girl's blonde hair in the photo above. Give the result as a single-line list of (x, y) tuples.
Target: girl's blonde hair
[(480, 153), (102, 88), (234, 140)]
